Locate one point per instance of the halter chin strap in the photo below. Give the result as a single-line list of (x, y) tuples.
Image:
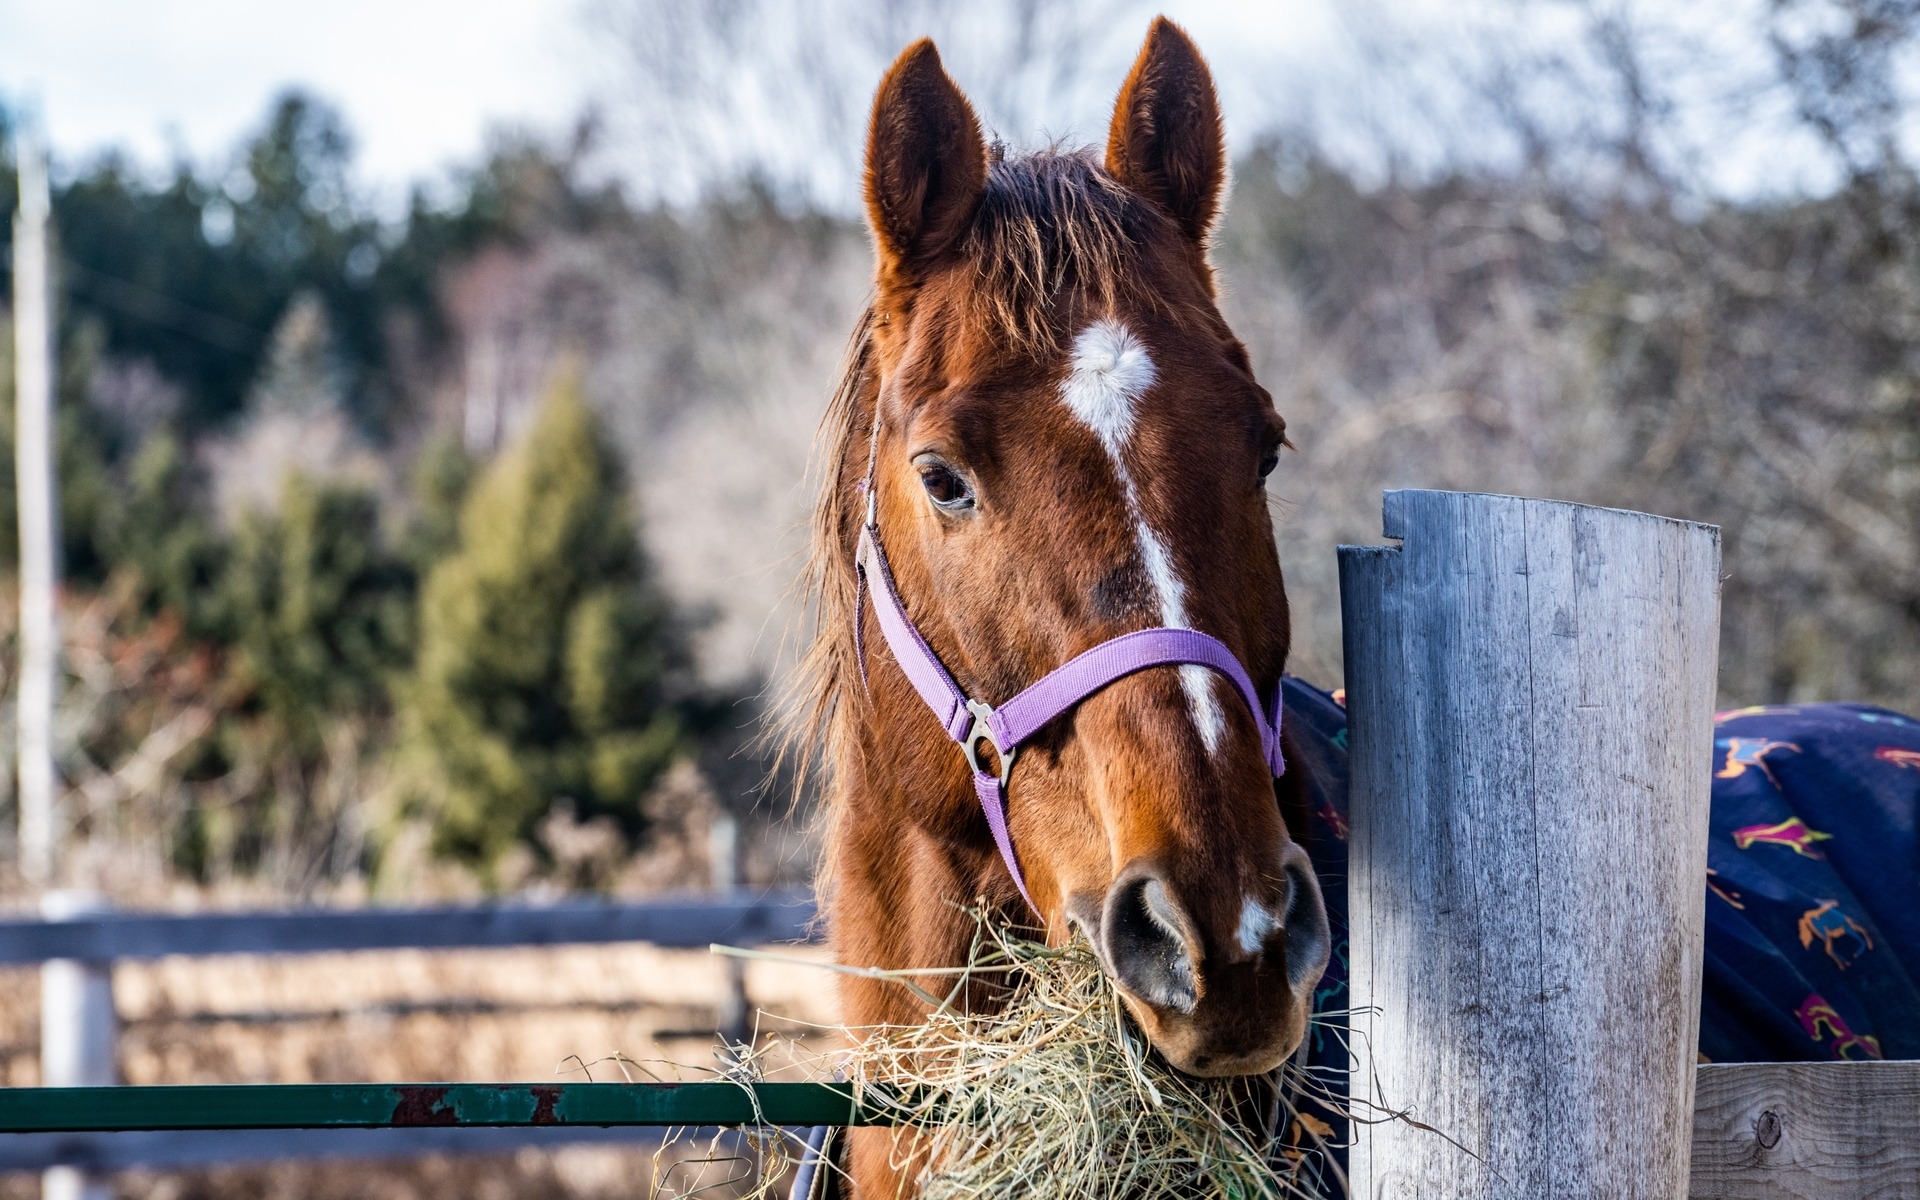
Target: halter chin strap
[(971, 722)]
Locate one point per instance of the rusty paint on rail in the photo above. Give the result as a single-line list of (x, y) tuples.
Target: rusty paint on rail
[(420, 1106)]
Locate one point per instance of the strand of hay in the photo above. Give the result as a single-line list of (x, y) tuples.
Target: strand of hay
[(1054, 1096)]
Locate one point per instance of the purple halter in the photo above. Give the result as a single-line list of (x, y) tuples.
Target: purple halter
[(970, 722)]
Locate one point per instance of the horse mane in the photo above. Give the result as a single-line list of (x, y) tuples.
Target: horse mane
[(1049, 225), (1050, 222)]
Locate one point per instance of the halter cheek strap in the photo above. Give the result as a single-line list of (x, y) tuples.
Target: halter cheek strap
[(970, 722)]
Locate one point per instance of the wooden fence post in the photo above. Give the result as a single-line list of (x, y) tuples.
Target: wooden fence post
[(78, 1032), (1530, 689), (733, 1013)]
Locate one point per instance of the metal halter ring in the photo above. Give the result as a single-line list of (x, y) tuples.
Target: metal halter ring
[(982, 731)]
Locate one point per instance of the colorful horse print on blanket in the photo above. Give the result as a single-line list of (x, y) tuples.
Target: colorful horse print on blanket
[(1813, 878), (1813, 883)]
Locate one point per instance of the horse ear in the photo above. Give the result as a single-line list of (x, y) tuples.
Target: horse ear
[(1166, 142), (926, 162)]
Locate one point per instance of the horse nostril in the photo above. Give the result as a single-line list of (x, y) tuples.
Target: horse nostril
[(1308, 942), (1148, 943)]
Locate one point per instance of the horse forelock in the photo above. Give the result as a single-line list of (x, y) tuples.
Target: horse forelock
[(1049, 224)]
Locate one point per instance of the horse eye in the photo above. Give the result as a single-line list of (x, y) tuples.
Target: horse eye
[(1268, 462), (945, 486)]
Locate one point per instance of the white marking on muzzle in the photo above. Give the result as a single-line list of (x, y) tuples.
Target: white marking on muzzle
[(1111, 370), (1256, 922)]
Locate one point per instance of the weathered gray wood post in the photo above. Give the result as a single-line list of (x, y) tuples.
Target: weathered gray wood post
[(78, 1031), (1530, 687), (733, 1013)]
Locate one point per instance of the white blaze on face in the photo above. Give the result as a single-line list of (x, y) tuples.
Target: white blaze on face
[(1110, 371)]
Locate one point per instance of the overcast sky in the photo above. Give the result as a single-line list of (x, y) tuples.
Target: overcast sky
[(420, 81)]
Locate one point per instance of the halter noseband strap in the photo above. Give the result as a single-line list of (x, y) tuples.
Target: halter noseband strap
[(970, 722)]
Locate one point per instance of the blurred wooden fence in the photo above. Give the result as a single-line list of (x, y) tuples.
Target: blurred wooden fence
[(77, 941), (690, 922)]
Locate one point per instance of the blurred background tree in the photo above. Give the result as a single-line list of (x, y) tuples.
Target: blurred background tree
[(551, 668), (319, 617)]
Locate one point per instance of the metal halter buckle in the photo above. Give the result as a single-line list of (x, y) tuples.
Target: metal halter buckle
[(982, 731)]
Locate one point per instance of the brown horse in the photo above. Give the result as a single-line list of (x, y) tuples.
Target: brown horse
[(1065, 443)]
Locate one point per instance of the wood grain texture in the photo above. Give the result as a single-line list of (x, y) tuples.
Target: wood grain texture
[(1530, 689), (1807, 1131)]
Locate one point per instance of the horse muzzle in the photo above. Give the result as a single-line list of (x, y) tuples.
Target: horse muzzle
[(1219, 989)]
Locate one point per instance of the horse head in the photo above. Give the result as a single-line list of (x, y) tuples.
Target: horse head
[(1059, 441)]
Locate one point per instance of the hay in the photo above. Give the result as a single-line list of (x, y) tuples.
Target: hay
[(1058, 1095)]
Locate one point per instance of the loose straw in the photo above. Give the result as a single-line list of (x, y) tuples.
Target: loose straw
[(1057, 1095)]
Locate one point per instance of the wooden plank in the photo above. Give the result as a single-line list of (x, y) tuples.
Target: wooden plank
[(1807, 1131), (686, 922), (1530, 688), (438, 1105)]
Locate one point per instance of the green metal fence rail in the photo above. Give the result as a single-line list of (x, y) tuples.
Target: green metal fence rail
[(413, 1106)]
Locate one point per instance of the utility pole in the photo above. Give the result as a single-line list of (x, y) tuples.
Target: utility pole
[(33, 475), (76, 998)]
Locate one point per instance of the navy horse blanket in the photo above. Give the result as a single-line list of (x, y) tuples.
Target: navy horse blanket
[(1813, 880)]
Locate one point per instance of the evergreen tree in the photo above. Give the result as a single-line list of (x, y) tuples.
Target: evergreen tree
[(300, 377), (441, 477), (160, 537), (320, 611), (550, 666), (317, 615)]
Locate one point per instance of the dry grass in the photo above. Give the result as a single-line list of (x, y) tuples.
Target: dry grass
[(411, 1015), (1057, 1096)]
